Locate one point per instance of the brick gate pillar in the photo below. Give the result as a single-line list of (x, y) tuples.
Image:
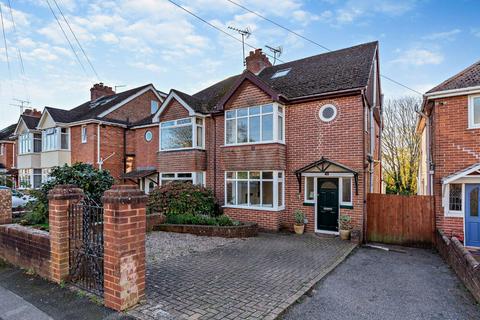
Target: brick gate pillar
[(5, 206), (124, 246), (59, 200)]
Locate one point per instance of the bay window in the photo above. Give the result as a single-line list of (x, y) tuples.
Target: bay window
[(182, 134), (255, 189), (55, 139), (29, 142), (258, 124), (192, 177)]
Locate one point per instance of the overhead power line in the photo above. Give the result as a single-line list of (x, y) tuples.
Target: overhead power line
[(5, 43), (215, 27), (76, 39), (66, 37), (312, 41)]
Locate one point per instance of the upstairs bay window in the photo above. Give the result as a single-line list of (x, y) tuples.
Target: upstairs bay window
[(55, 139), (182, 134), (255, 189), (29, 142), (259, 124)]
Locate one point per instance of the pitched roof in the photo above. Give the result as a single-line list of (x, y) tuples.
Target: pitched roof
[(470, 77), (30, 122), (7, 132), (211, 95)]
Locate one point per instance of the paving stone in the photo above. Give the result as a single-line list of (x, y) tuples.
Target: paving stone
[(254, 278)]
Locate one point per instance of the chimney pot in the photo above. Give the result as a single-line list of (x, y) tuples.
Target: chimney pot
[(100, 90), (257, 61)]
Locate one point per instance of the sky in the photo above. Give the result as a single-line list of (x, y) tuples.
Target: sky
[(132, 43)]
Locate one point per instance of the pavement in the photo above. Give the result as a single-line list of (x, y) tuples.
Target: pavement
[(256, 278), (375, 284), (29, 297)]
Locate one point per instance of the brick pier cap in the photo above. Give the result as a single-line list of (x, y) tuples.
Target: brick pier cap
[(65, 192), (124, 194)]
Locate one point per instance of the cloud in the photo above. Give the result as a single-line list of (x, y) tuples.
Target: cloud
[(148, 66), (419, 57), (355, 9), (109, 37), (446, 35), (476, 32)]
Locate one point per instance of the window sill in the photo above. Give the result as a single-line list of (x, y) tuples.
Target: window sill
[(254, 208), (346, 206), (453, 214), (252, 144), (182, 149), (310, 204)]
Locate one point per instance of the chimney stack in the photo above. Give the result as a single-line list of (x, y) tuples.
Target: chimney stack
[(257, 61), (32, 113), (100, 90)]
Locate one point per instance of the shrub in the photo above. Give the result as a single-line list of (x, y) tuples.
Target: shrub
[(182, 198), (92, 181), (201, 220), (345, 222), (299, 217)]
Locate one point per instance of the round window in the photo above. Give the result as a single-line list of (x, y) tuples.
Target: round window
[(328, 112), (148, 135)]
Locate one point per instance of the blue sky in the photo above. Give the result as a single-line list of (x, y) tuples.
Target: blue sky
[(151, 41)]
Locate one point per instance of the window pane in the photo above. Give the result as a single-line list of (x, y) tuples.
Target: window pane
[(280, 128), (254, 129), (231, 192), (455, 197), (184, 175), (231, 128), (242, 175), (168, 175), (280, 193), (255, 175), (267, 193), (184, 121), (242, 112), (254, 110), (168, 124), (242, 194), (267, 127), (476, 110), (474, 202), (179, 137), (242, 130), (230, 175), (310, 193), (346, 189), (267, 175), (230, 114), (200, 137), (267, 108), (199, 121), (255, 193)]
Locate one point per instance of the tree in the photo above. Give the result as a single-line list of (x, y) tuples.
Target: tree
[(92, 181), (401, 145)]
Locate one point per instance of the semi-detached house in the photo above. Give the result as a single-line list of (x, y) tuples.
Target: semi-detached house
[(299, 135)]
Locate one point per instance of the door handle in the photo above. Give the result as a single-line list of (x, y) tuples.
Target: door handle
[(327, 209)]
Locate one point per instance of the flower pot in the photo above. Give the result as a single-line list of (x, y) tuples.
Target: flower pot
[(299, 228), (345, 234)]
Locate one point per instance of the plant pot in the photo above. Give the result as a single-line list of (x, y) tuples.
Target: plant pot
[(299, 228), (345, 234)]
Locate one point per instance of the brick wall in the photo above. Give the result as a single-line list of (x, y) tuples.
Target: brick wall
[(7, 157), (146, 151), (174, 110), (266, 156), (454, 148), (26, 248), (135, 110), (84, 152), (461, 261), (182, 161), (5, 206)]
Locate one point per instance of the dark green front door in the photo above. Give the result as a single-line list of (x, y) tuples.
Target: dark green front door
[(327, 204)]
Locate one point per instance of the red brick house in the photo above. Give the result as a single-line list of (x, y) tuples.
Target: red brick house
[(300, 135), (95, 132), (450, 153), (7, 154)]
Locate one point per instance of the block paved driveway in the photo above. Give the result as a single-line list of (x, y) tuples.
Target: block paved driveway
[(256, 278)]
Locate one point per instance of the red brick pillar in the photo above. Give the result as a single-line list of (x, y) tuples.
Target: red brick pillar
[(59, 200), (5, 206), (124, 246)]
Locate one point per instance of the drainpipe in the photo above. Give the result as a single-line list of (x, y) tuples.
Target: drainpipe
[(364, 125), (214, 155), (99, 162)]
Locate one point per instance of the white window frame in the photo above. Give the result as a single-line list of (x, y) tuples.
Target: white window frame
[(2, 147), (325, 106), (84, 134), (193, 124), (25, 143), (157, 104), (305, 191), (275, 114), (447, 211), (340, 190), (339, 176), (276, 193), (471, 124), (194, 178), (55, 143)]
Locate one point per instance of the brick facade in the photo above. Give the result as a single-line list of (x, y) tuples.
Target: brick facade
[(182, 161), (5, 206), (135, 110), (7, 158), (145, 151)]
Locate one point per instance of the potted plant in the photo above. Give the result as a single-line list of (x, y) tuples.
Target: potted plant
[(345, 226), (299, 225)]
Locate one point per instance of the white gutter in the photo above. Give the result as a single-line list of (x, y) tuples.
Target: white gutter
[(452, 92)]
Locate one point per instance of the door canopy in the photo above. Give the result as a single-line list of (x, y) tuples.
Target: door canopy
[(326, 168)]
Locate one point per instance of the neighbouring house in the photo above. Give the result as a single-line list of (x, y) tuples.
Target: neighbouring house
[(7, 156), (449, 126), (95, 132), (29, 148), (299, 135)]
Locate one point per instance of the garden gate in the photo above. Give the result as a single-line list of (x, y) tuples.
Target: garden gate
[(85, 227)]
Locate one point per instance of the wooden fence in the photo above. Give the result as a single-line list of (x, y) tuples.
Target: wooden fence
[(403, 220)]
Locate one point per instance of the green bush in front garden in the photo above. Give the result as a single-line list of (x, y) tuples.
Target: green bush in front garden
[(201, 220), (92, 181), (180, 198)]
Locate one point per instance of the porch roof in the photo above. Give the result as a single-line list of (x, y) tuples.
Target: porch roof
[(475, 168), (138, 174), (326, 167)]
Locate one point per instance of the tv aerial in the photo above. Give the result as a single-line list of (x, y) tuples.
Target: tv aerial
[(245, 33), (277, 52)]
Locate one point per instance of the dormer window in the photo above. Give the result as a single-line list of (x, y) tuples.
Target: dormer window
[(281, 73), (474, 112), (184, 133)]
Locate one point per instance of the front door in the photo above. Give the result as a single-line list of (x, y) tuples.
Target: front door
[(472, 215), (327, 204)]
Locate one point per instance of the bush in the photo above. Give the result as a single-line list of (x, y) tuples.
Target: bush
[(92, 181), (201, 220), (182, 198)]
